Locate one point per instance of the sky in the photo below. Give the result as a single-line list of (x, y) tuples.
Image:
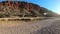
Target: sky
[(53, 5)]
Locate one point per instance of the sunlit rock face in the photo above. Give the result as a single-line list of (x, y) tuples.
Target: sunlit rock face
[(20, 9)]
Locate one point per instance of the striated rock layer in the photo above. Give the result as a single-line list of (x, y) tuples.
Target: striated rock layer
[(20, 9)]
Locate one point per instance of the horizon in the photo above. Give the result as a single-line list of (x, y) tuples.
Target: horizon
[(52, 5)]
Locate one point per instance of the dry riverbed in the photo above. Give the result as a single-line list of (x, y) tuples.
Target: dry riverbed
[(26, 27)]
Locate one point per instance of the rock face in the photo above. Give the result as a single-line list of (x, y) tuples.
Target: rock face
[(20, 9)]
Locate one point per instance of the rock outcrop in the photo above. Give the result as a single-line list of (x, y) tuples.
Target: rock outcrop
[(20, 9)]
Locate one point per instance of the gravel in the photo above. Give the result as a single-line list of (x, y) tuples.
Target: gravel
[(54, 28)]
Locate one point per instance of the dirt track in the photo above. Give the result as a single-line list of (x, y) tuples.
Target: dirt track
[(19, 27)]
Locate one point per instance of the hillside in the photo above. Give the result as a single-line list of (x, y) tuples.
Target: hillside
[(21, 9)]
